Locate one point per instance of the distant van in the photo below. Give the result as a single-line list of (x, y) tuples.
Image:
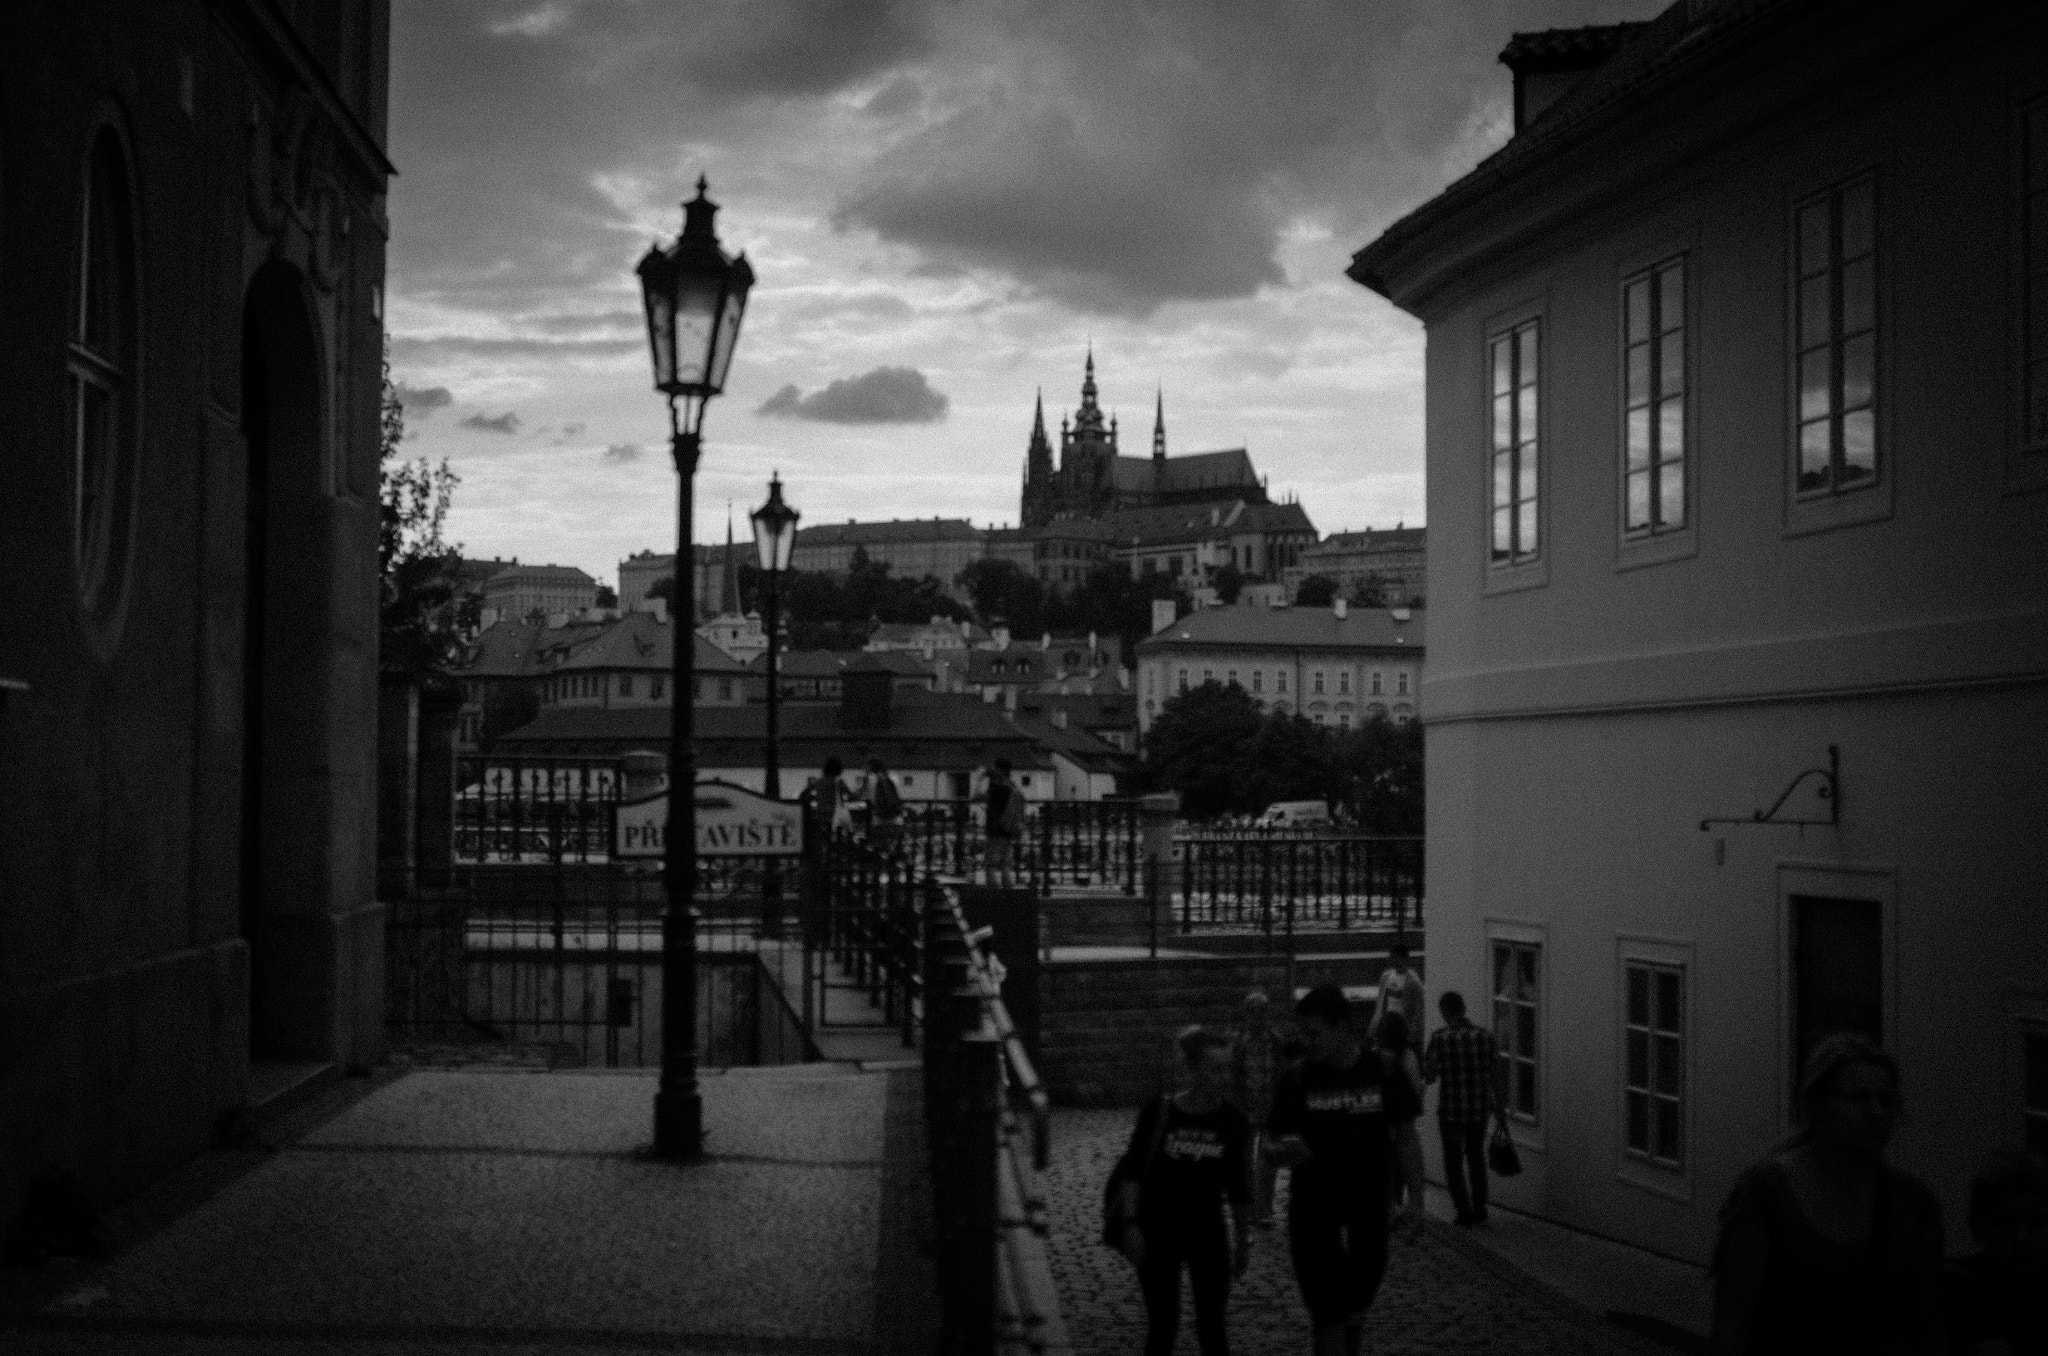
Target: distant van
[(1294, 814)]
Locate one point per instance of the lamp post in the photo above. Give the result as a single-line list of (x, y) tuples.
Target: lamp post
[(695, 296), (774, 539)]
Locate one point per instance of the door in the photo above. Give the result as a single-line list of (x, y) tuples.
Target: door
[(1837, 971)]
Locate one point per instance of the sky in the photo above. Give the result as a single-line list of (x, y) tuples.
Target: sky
[(947, 204)]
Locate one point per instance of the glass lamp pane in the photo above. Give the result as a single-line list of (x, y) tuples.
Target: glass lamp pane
[(661, 337), (1671, 298), (1813, 384), (696, 300), (1638, 374), (1639, 437), (728, 336), (1813, 455), (1859, 296), (1638, 499), (1638, 310), (1859, 446)]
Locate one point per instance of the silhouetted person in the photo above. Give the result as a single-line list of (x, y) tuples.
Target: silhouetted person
[(1003, 824), (1464, 1059), (1824, 1249)]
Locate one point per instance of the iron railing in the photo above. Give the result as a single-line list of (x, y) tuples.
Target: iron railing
[(1066, 843), (534, 811), (1275, 884), (988, 1126)]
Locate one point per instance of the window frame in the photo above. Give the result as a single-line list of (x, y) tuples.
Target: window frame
[(1638, 548), (1644, 1168), (1817, 510), (1532, 571), (1527, 1126)]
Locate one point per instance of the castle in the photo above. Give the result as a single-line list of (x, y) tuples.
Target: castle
[(1093, 481)]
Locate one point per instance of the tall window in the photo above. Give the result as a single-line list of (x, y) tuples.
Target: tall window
[(1513, 357), (1514, 1021), (101, 365), (1401, 684), (1343, 682), (1837, 338), (1258, 680), (654, 689), (1376, 683), (1653, 1081), (1280, 681), (1230, 677), (2034, 380), (1318, 689), (625, 685), (1653, 305), (1183, 680), (2036, 1107)]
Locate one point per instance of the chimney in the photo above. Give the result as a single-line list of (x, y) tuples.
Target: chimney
[(1059, 717), (865, 693), (1400, 614), (557, 620), (1162, 614), (1000, 633), (1548, 64), (660, 609), (1339, 606)]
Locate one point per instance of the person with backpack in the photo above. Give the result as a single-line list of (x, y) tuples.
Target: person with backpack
[(1002, 824), (1188, 1154), (885, 807)]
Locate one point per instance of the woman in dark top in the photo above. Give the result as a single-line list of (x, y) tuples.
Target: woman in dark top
[(1995, 1301), (1331, 1126), (1176, 1176), (1823, 1248)]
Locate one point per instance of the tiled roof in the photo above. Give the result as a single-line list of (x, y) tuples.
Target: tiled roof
[(1090, 752), (1564, 48), (1191, 522), (1305, 627), (894, 531), (554, 574), (635, 642), (1384, 539), (1230, 469), (1090, 711)]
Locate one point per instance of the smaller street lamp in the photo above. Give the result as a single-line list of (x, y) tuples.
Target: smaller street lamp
[(774, 539), (695, 296)]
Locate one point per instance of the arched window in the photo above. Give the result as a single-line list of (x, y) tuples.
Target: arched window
[(102, 368)]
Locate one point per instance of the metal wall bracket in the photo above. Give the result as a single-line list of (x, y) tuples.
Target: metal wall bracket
[(1828, 789)]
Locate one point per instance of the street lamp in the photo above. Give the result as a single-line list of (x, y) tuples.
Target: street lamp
[(695, 296), (774, 539)]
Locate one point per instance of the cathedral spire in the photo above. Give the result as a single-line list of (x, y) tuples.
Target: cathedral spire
[(729, 578), (1159, 428)]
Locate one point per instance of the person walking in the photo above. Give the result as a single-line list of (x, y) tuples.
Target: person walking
[(1401, 991), (1002, 823), (1823, 1248), (1404, 1109), (1259, 1062), (885, 807), (1188, 1154), (1466, 1061), (1330, 1127), (1999, 1294)]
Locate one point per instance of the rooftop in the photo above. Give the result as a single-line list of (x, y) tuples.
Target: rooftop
[(1306, 627)]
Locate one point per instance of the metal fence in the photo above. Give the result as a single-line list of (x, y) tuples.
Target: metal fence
[(988, 1127), (1277, 884), (534, 811), (1066, 843)]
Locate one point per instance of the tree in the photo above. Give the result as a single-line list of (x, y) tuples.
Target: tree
[(664, 588), (424, 617), (1200, 746), (1380, 767), (1003, 592), (607, 596), (1228, 583), (1317, 590), (1371, 591)]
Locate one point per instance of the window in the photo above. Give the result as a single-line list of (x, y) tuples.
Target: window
[(1401, 684), (102, 363), (2035, 1108), (725, 689), (1208, 676), (1344, 719), (1230, 677), (1258, 680), (1318, 680), (654, 688), (1344, 682), (1514, 1021), (1836, 329), (696, 689), (1513, 359), (1653, 321), (1183, 680), (625, 685), (1280, 681), (1376, 684), (1653, 1076)]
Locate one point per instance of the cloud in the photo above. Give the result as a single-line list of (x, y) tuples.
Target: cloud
[(425, 348), (421, 401), (886, 395), (622, 452), (508, 422)]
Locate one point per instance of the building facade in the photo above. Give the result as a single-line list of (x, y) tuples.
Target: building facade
[(1340, 666), (1390, 565), (518, 591), (1738, 446), (192, 239)]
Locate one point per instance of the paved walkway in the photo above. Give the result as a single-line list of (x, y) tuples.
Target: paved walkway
[(1444, 1294), (518, 1211)]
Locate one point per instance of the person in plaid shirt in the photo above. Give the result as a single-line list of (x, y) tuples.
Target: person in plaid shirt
[(1467, 1062)]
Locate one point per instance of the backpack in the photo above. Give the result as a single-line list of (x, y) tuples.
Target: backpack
[(1011, 816), (888, 801)]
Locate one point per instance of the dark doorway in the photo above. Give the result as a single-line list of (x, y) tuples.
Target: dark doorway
[(281, 691), (1837, 971)]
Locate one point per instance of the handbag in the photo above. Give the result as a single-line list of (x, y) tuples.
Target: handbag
[(1114, 1220), (1501, 1155)]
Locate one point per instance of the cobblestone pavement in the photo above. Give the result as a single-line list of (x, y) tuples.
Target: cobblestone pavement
[(1442, 1294)]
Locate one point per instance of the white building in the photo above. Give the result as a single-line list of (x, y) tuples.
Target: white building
[(1338, 665), (1737, 445)]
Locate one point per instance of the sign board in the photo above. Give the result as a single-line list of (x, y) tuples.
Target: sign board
[(731, 822)]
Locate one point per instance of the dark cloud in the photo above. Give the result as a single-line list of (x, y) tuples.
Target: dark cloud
[(421, 401), (585, 322), (887, 395), (622, 452), (508, 422), (415, 348)]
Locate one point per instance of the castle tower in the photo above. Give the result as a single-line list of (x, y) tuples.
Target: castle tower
[(1088, 454), (1159, 430), (1040, 492)]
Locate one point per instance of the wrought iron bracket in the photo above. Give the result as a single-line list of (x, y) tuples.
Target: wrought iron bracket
[(1829, 790)]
